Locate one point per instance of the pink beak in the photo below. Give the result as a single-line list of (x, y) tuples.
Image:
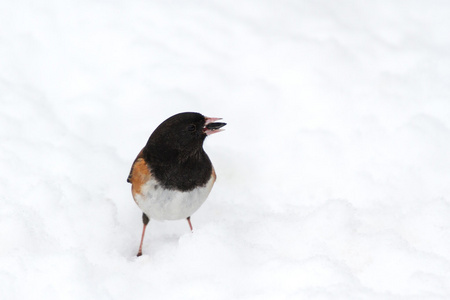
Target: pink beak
[(211, 126)]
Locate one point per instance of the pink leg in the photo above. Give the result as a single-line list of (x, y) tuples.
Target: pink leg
[(189, 221), (145, 219)]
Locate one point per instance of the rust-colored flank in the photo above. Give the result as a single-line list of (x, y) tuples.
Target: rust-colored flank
[(139, 174)]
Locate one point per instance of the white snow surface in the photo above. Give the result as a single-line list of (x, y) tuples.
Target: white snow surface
[(333, 174)]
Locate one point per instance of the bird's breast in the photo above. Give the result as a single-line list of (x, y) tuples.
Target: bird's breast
[(161, 203)]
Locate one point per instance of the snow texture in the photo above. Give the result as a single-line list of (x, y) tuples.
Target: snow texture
[(333, 172)]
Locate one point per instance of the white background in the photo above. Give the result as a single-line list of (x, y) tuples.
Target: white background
[(333, 171)]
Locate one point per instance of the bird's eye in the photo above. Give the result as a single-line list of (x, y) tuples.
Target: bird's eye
[(192, 128)]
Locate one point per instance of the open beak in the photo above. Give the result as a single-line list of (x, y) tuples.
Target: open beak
[(211, 126)]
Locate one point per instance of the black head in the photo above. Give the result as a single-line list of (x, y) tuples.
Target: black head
[(183, 134)]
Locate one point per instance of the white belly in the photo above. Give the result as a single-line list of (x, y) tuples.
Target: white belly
[(161, 204)]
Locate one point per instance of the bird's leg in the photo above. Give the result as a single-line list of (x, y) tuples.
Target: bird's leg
[(145, 220), (189, 221)]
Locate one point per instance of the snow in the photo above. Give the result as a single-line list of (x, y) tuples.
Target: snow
[(333, 172)]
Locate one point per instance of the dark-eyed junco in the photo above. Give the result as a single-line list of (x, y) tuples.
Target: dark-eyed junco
[(172, 175)]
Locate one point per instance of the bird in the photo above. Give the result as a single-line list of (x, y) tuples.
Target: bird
[(172, 175)]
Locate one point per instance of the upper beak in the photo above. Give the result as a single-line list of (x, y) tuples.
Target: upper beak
[(211, 126)]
